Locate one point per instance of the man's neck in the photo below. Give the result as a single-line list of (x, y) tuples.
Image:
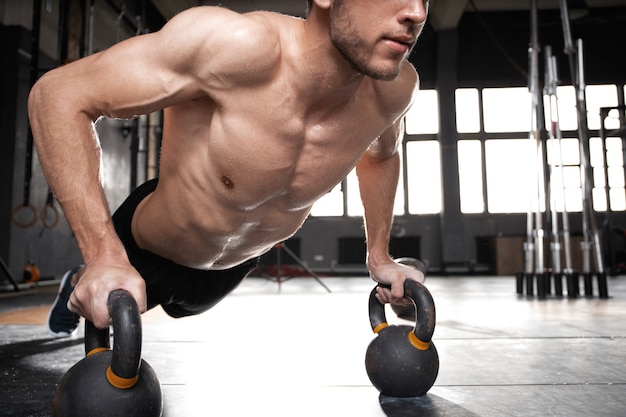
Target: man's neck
[(326, 74)]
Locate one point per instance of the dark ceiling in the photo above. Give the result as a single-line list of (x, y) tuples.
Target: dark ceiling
[(444, 14)]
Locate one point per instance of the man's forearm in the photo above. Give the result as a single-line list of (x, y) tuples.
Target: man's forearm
[(378, 180), (69, 153)]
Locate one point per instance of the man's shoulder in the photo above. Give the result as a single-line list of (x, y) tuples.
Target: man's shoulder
[(230, 44), (216, 22)]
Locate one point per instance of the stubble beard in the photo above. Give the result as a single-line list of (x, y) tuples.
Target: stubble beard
[(354, 48)]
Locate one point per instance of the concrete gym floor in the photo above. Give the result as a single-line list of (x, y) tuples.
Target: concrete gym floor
[(299, 352)]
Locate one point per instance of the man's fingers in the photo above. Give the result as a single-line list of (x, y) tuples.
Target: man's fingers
[(70, 306), (397, 289), (396, 274), (99, 317), (385, 295), (140, 296)]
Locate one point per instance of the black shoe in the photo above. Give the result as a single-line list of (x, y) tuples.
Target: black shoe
[(61, 321)]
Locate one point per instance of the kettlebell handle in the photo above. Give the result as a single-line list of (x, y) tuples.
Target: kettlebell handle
[(424, 306), (126, 323)]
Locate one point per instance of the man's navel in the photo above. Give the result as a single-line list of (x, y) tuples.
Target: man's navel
[(228, 183)]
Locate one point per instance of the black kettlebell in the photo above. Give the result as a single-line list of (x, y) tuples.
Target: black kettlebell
[(407, 311), (402, 361), (108, 382)]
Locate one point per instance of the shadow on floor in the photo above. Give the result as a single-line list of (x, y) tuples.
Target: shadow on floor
[(27, 390), (426, 406)]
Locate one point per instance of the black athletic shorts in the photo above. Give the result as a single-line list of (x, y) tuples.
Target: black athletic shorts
[(180, 290)]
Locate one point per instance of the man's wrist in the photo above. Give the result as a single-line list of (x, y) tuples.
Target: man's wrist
[(375, 259), (106, 245)]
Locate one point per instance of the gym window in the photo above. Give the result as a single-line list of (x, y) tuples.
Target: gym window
[(496, 159), (495, 156), (471, 188), (423, 155)]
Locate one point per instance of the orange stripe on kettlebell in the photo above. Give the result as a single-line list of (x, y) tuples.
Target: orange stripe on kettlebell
[(119, 382), (97, 350), (380, 327), (417, 343)]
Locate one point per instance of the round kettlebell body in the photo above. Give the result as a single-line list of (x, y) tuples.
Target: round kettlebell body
[(396, 367), (85, 391)]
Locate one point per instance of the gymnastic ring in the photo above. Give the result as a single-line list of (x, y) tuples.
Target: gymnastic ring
[(44, 216), (28, 207)]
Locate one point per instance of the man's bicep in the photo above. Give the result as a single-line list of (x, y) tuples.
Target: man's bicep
[(121, 82), (136, 77), (199, 52), (139, 75), (193, 56)]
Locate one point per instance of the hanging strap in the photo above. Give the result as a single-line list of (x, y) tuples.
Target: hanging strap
[(28, 166)]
